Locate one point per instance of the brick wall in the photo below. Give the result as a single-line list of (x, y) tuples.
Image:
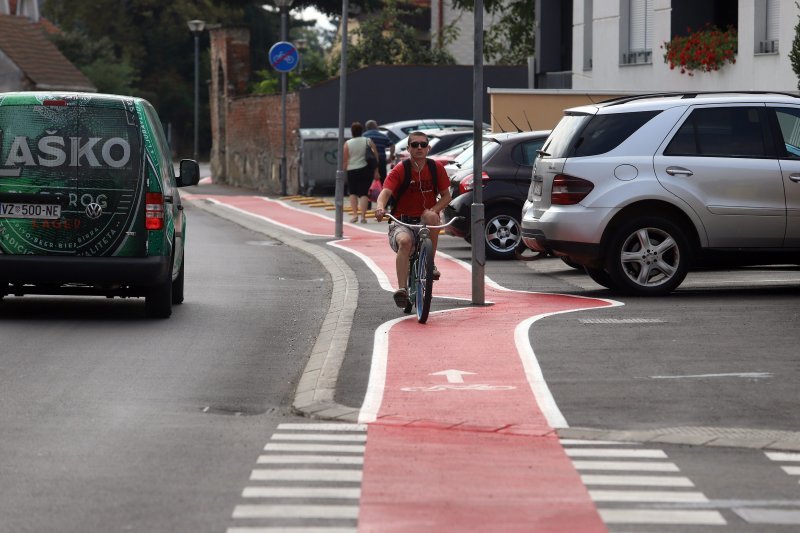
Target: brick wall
[(254, 146), (246, 130)]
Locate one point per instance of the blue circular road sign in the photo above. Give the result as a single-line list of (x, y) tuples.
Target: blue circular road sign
[(283, 56)]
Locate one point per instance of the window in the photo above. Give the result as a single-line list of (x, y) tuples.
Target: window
[(636, 31), (603, 133), (721, 132), (525, 153), (767, 23), (789, 122)]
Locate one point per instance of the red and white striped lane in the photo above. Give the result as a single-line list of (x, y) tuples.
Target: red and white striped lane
[(461, 422)]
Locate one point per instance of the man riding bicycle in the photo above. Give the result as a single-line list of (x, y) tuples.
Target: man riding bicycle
[(420, 190)]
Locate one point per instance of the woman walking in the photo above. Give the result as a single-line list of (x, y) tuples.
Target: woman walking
[(359, 173)]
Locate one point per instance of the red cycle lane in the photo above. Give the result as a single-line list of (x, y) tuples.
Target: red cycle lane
[(457, 440)]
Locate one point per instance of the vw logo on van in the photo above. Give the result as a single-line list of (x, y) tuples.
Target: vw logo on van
[(93, 210)]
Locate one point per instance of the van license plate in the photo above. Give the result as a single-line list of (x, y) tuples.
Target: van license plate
[(14, 210)]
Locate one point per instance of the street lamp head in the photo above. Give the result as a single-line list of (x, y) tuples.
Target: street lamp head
[(283, 3), (196, 26)]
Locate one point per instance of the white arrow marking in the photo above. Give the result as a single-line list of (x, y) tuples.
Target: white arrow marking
[(453, 376), (734, 375)]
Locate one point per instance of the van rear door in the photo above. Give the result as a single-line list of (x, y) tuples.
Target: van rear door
[(37, 181), (109, 200)]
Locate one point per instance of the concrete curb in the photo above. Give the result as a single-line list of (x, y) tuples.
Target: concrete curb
[(314, 396)]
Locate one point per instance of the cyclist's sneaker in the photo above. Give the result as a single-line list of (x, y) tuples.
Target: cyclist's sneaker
[(435, 274), (401, 297)]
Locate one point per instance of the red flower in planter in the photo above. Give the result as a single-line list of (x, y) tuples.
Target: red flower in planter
[(705, 50)]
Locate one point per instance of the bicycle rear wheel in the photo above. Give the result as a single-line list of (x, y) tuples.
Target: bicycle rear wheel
[(424, 280)]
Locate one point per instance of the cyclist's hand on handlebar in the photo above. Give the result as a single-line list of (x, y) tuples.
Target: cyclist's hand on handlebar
[(379, 212)]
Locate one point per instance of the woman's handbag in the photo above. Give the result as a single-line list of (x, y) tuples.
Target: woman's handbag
[(374, 190), (369, 155)]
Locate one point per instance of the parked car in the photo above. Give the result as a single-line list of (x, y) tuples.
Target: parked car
[(449, 156), (88, 199), (439, 139), (640, 189), (507, 163), (398, 131)]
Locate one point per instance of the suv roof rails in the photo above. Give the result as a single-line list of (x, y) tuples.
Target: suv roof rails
[(692, 94)]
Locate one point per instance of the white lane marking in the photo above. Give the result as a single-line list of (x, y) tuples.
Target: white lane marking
[(783, 456), (533, 372), (646, 516), (301, 529), (317, 474), (452, 375), (302, 492), (769, 516), (749, 375), (319, 437), (322, 448), (620, 321), (792, 470), (579, 442), (640, 466), (615, 452), (295, 511), (321, 427), (311, 459), (646, 496), (655, 481), (271, 220)]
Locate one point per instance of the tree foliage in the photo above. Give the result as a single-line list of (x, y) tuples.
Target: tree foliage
[(510, 40), (389, 37)]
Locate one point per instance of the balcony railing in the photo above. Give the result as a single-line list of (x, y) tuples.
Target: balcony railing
[(768, 47), (637, 57)]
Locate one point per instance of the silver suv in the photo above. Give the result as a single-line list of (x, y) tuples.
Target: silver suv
[(640, 189)]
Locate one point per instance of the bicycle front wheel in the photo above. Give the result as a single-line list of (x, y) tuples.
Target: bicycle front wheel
[(424, 280)]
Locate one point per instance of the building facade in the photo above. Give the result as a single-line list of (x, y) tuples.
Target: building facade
[(619, 44)]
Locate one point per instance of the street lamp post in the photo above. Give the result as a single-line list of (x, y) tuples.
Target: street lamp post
[(196, 27), (283, 6)]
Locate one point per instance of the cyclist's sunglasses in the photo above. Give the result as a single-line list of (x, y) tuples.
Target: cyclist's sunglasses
[(418, 144)]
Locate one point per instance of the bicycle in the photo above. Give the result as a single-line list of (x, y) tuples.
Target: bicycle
[(420, 277)]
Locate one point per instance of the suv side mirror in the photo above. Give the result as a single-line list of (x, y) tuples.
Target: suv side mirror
[(190, 173)]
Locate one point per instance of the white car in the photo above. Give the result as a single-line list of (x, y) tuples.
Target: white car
[(400, 130), (640, 189)]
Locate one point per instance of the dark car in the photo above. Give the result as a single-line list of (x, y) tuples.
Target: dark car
[(507, 165)]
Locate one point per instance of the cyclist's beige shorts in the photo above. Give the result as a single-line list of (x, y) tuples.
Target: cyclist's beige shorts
[(394, 229)]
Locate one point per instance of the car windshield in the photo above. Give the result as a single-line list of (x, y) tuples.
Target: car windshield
[(464, 160), (457, 149)]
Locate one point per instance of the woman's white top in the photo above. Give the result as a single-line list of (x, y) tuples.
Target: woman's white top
[(356, 148)]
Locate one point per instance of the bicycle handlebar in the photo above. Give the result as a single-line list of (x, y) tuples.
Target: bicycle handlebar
[(419, 226)]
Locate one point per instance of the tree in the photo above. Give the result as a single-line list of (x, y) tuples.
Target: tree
[(510, 40), (794, 53), (388, 37)]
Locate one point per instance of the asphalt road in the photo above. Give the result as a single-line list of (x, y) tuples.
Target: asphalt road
[(114, 422)]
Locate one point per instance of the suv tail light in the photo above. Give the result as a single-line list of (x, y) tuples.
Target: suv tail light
[(468, 183), (154, 211), (569, 190)]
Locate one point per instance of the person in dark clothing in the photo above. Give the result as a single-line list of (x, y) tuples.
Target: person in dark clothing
[(382, 143)]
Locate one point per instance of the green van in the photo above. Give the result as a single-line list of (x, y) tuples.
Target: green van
[(88, 199)]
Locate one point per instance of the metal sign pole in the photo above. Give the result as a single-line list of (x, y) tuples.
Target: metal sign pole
[(477, 211), (340, 174)]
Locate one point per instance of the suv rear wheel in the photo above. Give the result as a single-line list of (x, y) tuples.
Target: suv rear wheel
[(158, 300), (502, 232), (648, 256)]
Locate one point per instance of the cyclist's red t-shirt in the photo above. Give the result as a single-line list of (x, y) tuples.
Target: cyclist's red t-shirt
[(420, 194)]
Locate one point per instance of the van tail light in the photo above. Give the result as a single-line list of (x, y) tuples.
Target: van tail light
[(468, 183), (569, 190), (154, 211)]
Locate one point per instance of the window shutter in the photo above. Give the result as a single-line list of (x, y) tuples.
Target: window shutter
[(773, 19), (641, 25)]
